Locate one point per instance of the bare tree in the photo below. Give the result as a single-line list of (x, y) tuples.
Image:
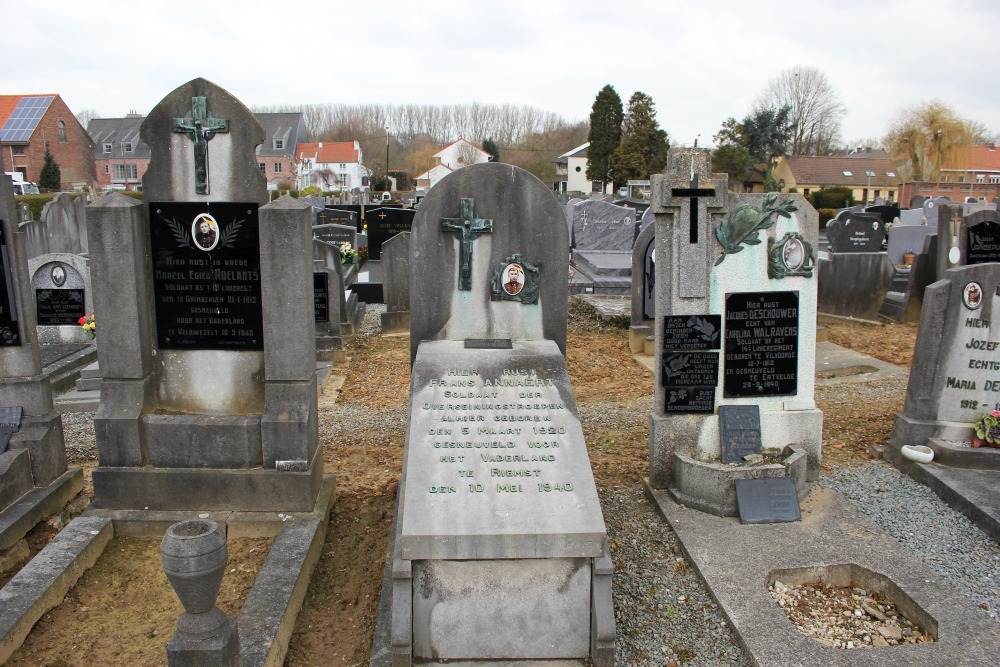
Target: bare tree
[(816, 109), (86, 116), (922, 137)]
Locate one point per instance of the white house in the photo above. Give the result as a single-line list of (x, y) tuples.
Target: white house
[(426, 180), (571, 173), (332, 166), (460, 154)]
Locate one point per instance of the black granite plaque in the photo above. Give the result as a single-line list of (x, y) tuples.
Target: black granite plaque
[(762, 344), (59, 307), (384, 223), (855, 232), (335, 216), (206, 277), (9, 333), (649, 281), (335, 234), (488, 344), (739, 431), (770, 500), (692, 399), (690, 368), (983, 243), (321, 297), (691, 332), (10, 421)]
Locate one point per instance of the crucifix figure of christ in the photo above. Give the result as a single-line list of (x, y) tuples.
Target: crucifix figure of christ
[(201, 126), (467, 229), (695, 193)]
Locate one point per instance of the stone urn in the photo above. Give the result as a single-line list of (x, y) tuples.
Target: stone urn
[(194, 557)]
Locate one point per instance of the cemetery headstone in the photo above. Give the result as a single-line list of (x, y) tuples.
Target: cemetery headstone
[(208, 398), (739, 268), (332, 216), (953, 375), (739, 428), (603, 236), (396, 284), (917, 201), (905, 239), (643, 289), (329, 301), (336, 234), (384, 223), (769, 500), (889, 214), (979, 238), (499, 515), (61, 286), (34, 455), (61, 228), (912, 217), (855, 232)]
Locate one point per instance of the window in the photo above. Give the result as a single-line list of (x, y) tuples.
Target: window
[(262, 166), (980, 178), (345, 180), (279, 144), (125, 171), (343, 166), (870, 173), (961, 179), (107, 169), (890, 174), (107, 149), (847, 173), (277, 167), (126, 146), (17, 150), (62, 132), (994, 179)]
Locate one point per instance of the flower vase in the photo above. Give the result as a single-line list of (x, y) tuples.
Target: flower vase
[(977, 442)]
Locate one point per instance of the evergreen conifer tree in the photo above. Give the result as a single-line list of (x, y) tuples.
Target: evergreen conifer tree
[(605, 133), (643, 147), (50, 177)]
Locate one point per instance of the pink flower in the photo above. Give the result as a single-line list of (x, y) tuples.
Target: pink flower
[(995, 413)]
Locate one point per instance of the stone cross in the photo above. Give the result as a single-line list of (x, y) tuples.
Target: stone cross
[(695, 193), (201, 126), (467, 229)]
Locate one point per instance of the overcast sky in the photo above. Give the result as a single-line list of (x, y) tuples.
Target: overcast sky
[(701, 62)]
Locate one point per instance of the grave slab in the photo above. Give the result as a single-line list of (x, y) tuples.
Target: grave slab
[(737, 561)]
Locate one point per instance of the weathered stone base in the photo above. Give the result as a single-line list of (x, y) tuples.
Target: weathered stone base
[(909, 431), (208, 489), (711, 486), (31, 507), (222, 649), (637, 335), (396, 323), (691, 432)]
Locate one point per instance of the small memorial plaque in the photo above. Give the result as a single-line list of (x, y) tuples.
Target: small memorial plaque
[(321, 297), (739, 430), (9, 334), (983, 243), (10, 421), (488, 344), (771, 500), (689, 400), (206, 275), (690, 368), (762, 344), (691, 332), (59, 307)]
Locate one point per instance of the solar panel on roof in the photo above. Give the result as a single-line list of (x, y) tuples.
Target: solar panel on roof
[(24, 118)]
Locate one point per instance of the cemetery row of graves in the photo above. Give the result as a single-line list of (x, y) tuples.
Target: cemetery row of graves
[(204, 326)]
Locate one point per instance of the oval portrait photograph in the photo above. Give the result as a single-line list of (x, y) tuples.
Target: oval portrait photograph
[(972, 295), (513, 278), (793, 254), (58, 275), (205, 231)]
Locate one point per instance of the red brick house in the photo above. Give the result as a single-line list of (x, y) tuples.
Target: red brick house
[(971, 171), (29, 123)]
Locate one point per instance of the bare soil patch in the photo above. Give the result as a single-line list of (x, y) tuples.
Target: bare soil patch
[(361, 432)]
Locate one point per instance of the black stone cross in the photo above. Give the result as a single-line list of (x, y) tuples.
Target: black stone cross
[(694, 192), (201, 126), (467, 229)]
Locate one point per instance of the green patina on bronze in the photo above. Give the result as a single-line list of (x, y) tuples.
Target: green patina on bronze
[(746, 221), (777, 267), (201, 126), (467, 229), (528, 291)]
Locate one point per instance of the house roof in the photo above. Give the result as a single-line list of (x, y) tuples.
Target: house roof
[(973, 158), (458, 141), (579, 151), (848, 171), (20, 114), (327, 151), (285, 126), (115, 131), (436, 167)]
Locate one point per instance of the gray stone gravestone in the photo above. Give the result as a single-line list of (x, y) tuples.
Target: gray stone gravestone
[(62, 227), (329, 301), (61, 287), (917, 201), (741, 271), (33, 472), (208, 353), (336, 234), (643, 288), (603, 236), (498, 515), (911, 217), (953, 377), (905, 239), (855, 276), (396, 284)]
